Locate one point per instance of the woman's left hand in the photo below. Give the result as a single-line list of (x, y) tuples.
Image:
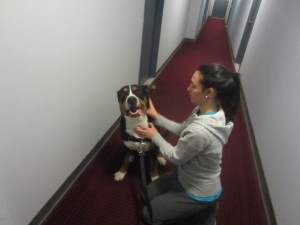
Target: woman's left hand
[(146, 131)]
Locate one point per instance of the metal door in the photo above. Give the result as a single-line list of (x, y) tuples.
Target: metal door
[(247, 31), (150, 41), (219, 9)]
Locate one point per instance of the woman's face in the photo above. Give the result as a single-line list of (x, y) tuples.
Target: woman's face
[(196, 90)]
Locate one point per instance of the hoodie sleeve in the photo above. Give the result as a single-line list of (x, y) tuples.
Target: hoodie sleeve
[(172, 126), (189, 144)]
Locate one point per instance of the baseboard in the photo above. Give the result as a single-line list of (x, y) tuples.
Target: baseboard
[(190, 40), (271, 219), (54, 200)]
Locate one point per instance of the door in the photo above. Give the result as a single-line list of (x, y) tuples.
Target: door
[(150, 41), (247, 31), (205, 14), (219, 9)]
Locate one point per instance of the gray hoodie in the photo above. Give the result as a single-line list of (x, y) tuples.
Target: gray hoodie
[(198, 152)]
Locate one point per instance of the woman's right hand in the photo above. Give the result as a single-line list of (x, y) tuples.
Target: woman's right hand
[(152, 111)]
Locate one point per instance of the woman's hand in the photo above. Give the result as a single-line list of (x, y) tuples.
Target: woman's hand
[(152, 111), (146, 131)]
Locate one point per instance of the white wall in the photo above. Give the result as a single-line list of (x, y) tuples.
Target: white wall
[(195, 18), (237, 22), (228, 10), (210, 7), (271, 83), (174, 21), (61, 63), (4, 216)]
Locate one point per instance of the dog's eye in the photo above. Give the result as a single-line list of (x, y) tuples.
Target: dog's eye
[(136, 90)]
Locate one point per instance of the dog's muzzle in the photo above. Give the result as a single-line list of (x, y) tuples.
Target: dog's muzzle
[(133, 101), (132, 105)]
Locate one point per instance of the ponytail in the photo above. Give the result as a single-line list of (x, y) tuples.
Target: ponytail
[(227, 84), (230, 104)]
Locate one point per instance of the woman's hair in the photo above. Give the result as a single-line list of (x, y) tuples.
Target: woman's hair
[(227, 84)]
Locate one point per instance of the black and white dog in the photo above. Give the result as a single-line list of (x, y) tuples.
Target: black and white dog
[(134, 102)]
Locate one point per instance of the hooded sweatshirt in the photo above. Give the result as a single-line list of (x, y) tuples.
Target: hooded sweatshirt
[(198, 152)]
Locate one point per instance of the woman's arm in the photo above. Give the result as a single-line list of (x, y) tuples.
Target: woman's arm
[(172, 126), (162, 121), (187, 147), (189, 144)]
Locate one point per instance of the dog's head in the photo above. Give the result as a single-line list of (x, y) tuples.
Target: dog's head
[(134, 99)]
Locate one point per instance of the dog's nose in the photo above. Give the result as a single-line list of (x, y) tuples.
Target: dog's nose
[(132, 100)]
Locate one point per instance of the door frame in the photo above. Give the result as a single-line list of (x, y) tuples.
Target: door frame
[(153, 13), (206, 13), (228, 12), (247, 32)]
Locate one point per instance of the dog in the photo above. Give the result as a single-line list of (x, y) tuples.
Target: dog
[(134, 102)]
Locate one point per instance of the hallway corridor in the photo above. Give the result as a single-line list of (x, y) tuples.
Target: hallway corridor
[(96, 199)]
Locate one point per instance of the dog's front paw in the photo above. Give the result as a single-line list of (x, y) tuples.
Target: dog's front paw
[(161, 160), (119, 176), (154, 177)]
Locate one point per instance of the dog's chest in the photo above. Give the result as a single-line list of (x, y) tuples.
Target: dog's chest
[(133, 122)]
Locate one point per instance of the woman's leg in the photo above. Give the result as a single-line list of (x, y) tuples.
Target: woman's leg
[(162, 185), (171, 205)]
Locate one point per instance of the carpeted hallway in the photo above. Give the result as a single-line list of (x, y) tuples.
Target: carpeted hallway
[(96, 199)]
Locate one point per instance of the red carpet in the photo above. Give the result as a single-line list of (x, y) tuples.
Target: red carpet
[(96, 199)]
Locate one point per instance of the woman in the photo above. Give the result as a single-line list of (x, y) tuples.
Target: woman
[(195, 183)]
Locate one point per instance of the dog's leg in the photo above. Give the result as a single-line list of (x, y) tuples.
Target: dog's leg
[(131, 158), (123, 170), (161, 159), (153, 167), (158, 156)]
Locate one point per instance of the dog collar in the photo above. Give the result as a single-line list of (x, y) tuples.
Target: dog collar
[(134, 139)]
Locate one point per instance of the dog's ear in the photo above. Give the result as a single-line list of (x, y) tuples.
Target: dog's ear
[(121, 94), (149, 88)]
